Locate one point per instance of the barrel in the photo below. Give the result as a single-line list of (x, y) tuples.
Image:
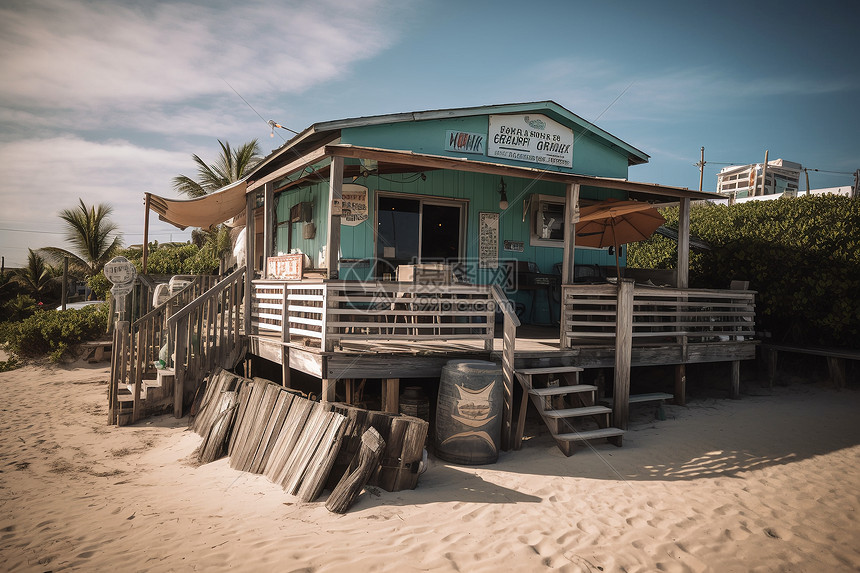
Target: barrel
[(469, 412)]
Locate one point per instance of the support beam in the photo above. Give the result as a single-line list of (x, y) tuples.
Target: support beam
[(684, 244), (736, 380), (681, 385), (146, 201), (250, 240), (335, 206), (623, 353), (328, 390), (391, 395), (571, 217), (268, 223)]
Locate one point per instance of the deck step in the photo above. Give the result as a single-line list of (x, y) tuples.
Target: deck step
[(559, 390), (549, 370), (589, 435), (577, 412)]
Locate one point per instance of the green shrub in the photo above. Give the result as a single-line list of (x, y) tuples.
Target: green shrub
[(19, 308), (54, 332), (801, 255)]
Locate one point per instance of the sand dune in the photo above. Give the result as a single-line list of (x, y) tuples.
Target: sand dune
[(767, 483)]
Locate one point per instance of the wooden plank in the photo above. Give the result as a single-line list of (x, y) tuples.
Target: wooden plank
[(391, 395), (214, 443), (308, 441), (321, 463), (292, 429), (271, 431), (343, 496), (247, 389)]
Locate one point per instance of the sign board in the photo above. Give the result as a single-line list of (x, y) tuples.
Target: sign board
[(514, 246), (353, 205), (285, 267), (120, 271), (465, 142), (119, 291), (488, 245), (533, 138)]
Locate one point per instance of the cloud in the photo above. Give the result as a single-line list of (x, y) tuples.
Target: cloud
[(91, 62), (44, 176)]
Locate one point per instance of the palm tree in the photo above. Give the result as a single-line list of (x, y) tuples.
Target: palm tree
[(89, 231), (232, 165), (37, 277)]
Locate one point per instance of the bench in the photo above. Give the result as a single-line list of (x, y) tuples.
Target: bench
[(836, 358)]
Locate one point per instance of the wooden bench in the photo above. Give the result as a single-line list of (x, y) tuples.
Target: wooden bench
[(836, 358), (96, 350)]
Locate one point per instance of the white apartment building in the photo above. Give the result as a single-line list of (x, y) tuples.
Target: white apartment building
[(740, 181)]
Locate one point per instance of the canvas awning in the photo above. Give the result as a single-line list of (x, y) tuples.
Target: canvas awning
[(202, 212)]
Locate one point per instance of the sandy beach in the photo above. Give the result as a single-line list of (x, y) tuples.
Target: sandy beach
[(770, 482)]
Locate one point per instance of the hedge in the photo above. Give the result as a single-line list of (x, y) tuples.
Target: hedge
[(802, 255)]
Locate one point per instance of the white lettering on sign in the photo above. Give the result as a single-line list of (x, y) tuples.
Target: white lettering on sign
[(464, 142), (532, 138)]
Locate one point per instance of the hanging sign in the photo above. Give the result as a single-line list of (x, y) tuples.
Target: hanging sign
[(488, 244), (532, 138), (354, 205), (285, 267)]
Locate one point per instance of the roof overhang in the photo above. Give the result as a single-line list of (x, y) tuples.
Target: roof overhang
[(425, 161), (202, 212)]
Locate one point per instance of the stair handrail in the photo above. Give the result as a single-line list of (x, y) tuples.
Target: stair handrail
[(131, 358), (200, 300), (509, 338), (192, 362)]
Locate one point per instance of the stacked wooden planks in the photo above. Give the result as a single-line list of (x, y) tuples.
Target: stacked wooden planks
[(304, 446), (404, 446)]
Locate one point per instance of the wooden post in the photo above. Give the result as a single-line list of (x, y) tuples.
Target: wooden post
[(335, 189), (681, 384), (250, 239), (736, 380), (268, 223), (623, 353), (285, 340), (327, 393), (571, 216), (391, 395), (181, 334), (509, 337), (146, 202)]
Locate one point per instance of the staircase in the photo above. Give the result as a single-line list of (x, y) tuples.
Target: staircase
[(156, 396), (566, 407)]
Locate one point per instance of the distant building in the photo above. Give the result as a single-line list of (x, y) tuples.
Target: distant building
[(741, 181)]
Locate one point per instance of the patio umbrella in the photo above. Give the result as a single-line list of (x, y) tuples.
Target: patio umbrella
[(612, 223)]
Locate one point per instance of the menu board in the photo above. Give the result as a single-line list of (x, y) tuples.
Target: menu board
[(488, 245)]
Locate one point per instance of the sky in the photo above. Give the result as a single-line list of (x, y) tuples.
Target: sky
[(106, 100)]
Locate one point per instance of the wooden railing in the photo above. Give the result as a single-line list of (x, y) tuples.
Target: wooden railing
[(137, 344), (590, 314), (205, 333), (509, 340), (327, 314)]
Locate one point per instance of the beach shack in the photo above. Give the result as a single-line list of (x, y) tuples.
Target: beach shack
[(384, 247)]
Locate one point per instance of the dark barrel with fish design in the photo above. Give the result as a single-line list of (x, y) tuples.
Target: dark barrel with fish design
[(469, 412)]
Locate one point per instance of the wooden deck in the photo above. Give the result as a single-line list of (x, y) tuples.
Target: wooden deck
[(536, 346)]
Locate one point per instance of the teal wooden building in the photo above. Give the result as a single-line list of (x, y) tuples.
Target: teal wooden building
[(385, 246)]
